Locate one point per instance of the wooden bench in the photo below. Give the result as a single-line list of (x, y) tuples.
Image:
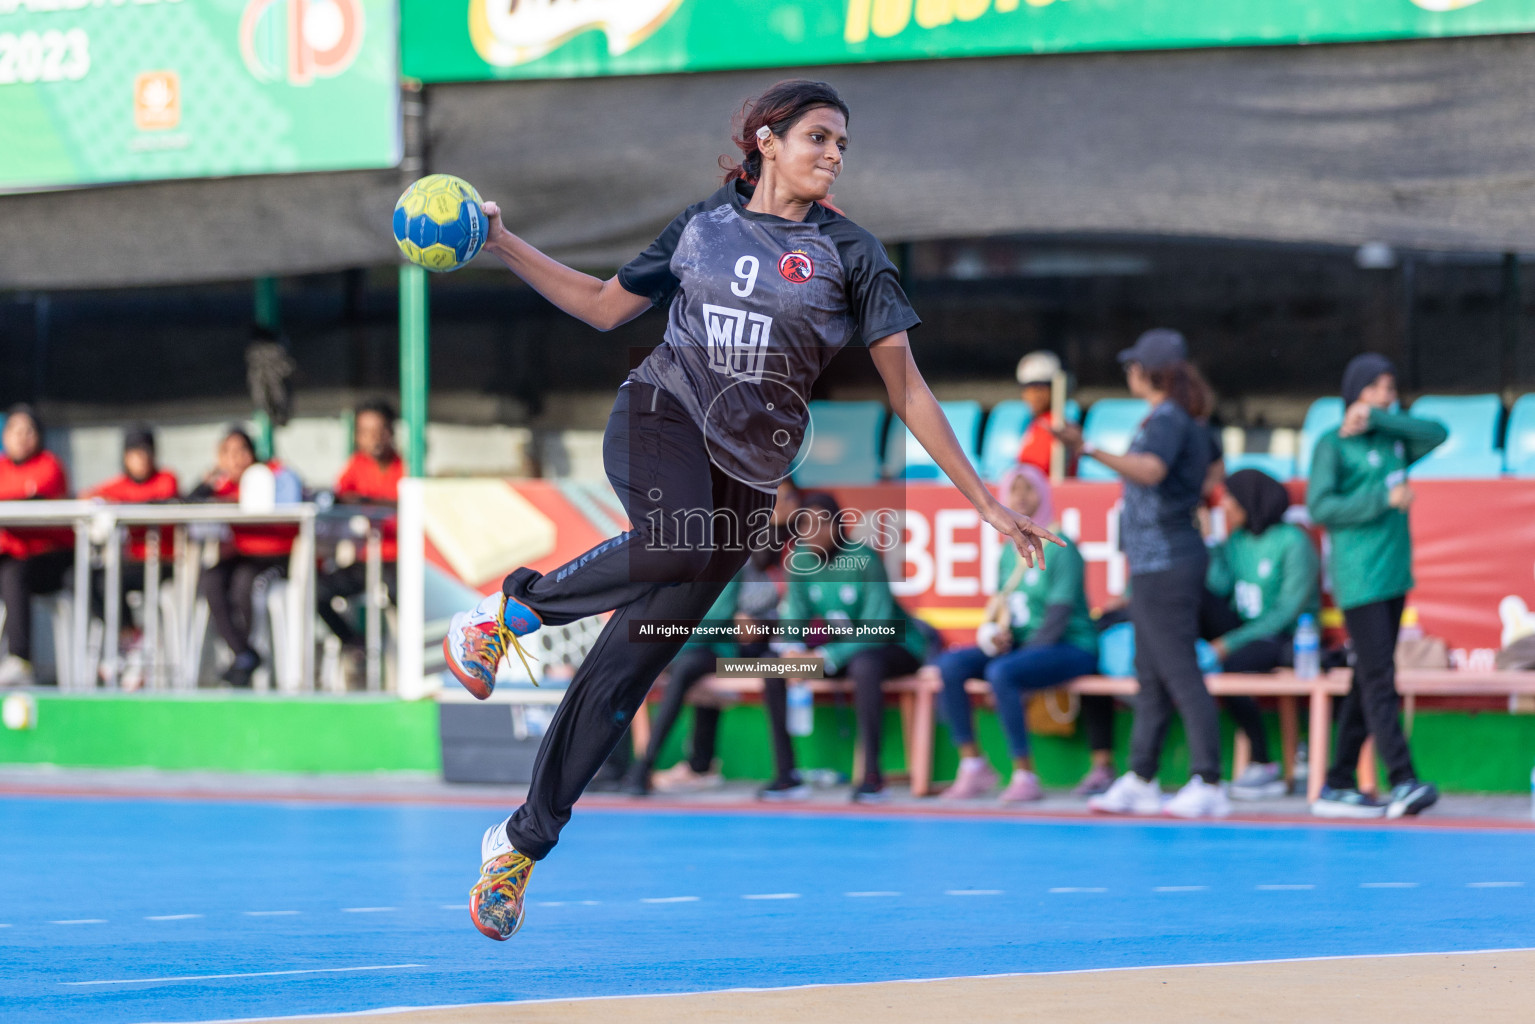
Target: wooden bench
[(917, 698)]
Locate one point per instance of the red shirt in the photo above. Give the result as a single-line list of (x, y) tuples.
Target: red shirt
[(266, 541), (1037, 445), (366, 478), (124, 490), (41, 476)]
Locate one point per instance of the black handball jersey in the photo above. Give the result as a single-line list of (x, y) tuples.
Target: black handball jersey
[(759, 306)]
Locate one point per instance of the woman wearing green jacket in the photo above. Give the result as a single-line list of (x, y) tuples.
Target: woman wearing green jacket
[(1359, 492), (842, 583), (1261, 580)]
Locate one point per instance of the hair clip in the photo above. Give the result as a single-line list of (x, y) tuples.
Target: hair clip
[(763, 133)]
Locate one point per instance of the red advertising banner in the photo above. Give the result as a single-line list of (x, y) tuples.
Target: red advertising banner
[(1474, 548)]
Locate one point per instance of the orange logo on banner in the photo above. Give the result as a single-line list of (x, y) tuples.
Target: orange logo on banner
[(157, 101)]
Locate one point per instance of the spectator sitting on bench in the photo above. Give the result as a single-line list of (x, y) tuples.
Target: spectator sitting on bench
[(840, 581), (1261, 580), (229, 585), (33, 560), (371, 477), (140, 482), (1048, 640)]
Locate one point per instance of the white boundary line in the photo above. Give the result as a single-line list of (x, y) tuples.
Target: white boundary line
[(250, 974), (384, 1011)]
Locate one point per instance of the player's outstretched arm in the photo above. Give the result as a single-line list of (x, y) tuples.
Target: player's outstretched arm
[(603, 304), (913, 401)]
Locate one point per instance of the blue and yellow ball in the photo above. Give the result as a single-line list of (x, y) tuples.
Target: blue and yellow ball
[(440, 222)]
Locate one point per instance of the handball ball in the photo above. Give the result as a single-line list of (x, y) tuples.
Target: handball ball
[(439, 222), (19, 711)]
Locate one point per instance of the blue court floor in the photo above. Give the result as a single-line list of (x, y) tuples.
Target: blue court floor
[(132, 910)]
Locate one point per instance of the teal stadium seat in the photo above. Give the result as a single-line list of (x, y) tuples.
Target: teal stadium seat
[(1324, 415), (1005, 426), (1111, 425), (844, 445), (905, 459), (1280, 467), (1519, 445), (1471, 451)]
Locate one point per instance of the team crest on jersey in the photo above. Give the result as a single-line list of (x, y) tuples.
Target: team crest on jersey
[(796, 267)]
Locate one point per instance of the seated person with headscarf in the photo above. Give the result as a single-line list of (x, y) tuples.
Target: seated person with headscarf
[(1261, 580), (1048, 641)]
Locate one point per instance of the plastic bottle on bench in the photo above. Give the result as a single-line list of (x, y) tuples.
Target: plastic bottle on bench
[(801, 716), (1308, 649)]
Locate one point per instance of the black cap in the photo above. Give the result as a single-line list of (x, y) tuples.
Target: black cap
[(1361, 372), (1157, 348), (139, 437)]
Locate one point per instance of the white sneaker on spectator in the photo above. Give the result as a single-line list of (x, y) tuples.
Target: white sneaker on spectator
[(1130, 794), (1198, 799), (1259, 782), (16, 671)]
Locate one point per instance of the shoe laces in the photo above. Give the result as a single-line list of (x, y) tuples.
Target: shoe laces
[(505, 638), (504, 875)]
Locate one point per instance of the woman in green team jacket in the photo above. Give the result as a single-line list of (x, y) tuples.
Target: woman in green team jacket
[(843, 584), (1261, 580), (1359, 492)]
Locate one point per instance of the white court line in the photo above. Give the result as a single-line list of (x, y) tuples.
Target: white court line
[(1078, 888), (669, 899), (83, 920), (545, 903), (4, 926), (586, 903), (771, 896), (1181, 888), (1494, 885), (172, 917), (465, 906), (368, 910), (249, 974), (1388, 885), (1283, 888), (270, 913), (972, 892), (872, 892)]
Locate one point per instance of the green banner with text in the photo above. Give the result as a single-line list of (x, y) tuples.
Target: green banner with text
[(471, 40), (95, 91)]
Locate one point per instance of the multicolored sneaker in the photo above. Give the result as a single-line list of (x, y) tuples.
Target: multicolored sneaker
[(496, 901), (477, 641)]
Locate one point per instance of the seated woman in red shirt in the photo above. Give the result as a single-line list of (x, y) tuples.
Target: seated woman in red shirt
[(140, 483), (228, 586), (372, 477), (32, 561)]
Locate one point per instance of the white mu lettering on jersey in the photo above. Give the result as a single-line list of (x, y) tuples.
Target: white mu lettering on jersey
[(738, 341)]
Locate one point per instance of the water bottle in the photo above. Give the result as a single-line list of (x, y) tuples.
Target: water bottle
[(1308, 654), (801, 709)]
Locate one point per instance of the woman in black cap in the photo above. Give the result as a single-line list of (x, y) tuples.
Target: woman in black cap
[(1359, 492), (1164, 476)]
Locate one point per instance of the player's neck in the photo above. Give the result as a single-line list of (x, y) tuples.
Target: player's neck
[(769, 198)]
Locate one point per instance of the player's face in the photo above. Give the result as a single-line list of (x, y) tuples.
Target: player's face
[(374, 438), (1136, 378), (21, 439), (808, 157), (1236, 515), (1022, 497), (235, 457), (1381, 393), (138, 464), (1037, 396)]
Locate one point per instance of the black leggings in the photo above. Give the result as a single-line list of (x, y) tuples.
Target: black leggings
[(1371, 707), (349, 582), (691, 523), (1165, 609), (869, 670), (1216, 619), (228, 587), (691, 665), (20, 580)]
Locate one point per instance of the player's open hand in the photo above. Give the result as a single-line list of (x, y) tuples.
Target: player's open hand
[(1027, 535)]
